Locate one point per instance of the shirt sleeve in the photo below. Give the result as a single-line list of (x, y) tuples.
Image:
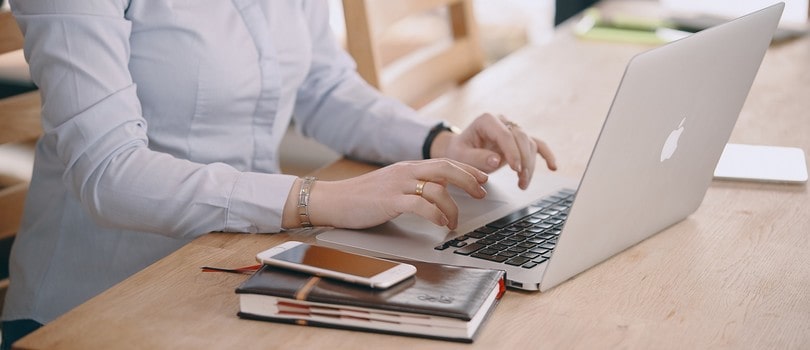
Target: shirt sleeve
[(78, 53), (338, 108)]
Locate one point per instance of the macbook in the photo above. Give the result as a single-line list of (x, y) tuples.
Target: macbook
[(650, 168)]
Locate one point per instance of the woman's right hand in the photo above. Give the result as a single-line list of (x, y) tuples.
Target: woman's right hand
[(384, 194)]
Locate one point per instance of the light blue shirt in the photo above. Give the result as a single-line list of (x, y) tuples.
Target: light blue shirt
[(162, 121)]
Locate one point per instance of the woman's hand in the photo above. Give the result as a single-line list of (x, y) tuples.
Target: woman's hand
[(381, 195), (489, 143)]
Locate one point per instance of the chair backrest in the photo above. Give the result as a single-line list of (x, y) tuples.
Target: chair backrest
[(14, 111), (421, 75), (10, 36)]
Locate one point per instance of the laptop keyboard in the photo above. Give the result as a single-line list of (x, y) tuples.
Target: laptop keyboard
[(524, 238)]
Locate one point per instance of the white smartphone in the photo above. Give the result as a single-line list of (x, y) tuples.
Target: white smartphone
[(333, 263)]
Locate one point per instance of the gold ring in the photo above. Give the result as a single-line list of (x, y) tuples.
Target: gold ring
[(510, 125), (420, 187)]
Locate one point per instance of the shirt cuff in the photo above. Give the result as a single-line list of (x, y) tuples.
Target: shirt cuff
[(257, 202)]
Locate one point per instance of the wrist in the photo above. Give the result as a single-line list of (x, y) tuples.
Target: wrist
[(440, 144), (297, 208), (289, 218), (437, 140)]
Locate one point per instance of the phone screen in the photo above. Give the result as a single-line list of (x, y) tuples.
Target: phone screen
[(335, 260)]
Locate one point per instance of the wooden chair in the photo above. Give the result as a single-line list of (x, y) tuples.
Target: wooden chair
[(19, 123), (424, 74), (10, 36), (19, 114), (415, 78)]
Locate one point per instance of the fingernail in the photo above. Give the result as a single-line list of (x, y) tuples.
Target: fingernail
[(494, 161), (444, 221), (482, 190)]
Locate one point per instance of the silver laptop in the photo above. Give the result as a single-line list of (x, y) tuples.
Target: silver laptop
[(650, 168)]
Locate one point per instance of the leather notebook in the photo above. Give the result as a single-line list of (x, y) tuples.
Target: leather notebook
[(439, 301)]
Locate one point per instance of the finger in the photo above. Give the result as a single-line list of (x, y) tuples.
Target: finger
[(445, 171), (479, 175), (503, 138), (422, 207), (483, 159), (545, 152), (440, 197), (528, 156)]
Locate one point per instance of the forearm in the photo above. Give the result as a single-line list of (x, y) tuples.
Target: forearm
[(336, 107), (143, 190)]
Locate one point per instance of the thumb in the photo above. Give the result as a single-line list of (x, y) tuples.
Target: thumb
[(483, 159)]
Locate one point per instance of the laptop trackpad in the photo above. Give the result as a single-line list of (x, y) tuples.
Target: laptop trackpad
[(414, 227), (413, 230)]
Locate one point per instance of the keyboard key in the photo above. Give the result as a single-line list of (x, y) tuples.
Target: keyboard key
[(550, 212), (476, 234), (456, 244), (506, 220), (517, 261), (552, 222), (442, 246), (527, 245), (507, 253), (487, 241), (494, 258), (539, 250), (497, 236), (530, 255), (523, 224), (545, 202), (529, 265), (486, 230), (469, 249), (488, 251), (498, 246), (547, 246), (509, 242), (510, 230), (559, 207), (532, 220), (540, 260), (516, 249)]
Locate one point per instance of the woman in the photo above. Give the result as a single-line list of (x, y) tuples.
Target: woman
[(162, 121)]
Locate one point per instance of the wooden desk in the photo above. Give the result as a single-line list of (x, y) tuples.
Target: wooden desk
[(735, 274)]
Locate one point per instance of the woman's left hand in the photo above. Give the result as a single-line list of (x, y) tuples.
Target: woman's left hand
[(489, 143)]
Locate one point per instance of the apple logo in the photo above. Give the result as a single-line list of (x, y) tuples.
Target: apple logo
[(672, 142)]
